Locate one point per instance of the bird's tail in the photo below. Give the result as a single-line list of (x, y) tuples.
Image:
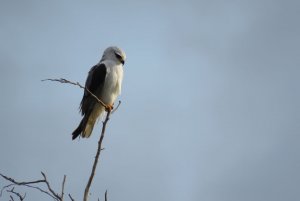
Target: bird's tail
[(87, 123), (79, 129), (85, 128)]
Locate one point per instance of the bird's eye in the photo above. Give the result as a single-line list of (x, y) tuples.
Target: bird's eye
[(119, 56)]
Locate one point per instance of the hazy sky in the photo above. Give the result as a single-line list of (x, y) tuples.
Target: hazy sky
[(210, 101)]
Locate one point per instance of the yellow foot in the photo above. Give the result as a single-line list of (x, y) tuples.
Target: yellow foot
[(109, 108)]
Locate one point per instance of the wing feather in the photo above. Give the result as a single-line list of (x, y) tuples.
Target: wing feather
[(94, 82)]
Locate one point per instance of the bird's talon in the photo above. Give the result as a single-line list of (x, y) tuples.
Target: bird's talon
[(109, 108)]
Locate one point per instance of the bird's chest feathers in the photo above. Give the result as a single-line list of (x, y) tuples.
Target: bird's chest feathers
[(113, 82)]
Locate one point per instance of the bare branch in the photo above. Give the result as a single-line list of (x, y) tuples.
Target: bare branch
[(62, 80), (14, 182), (49, 187), (40, 189), (27, 184), (87, 188), (63, 188), (4, 187), (71, 197), (109, 111), (21, 183), (50, 192), (21, 198), (119, 103)]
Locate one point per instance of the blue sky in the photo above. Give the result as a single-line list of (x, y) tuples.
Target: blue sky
[(210, 98)]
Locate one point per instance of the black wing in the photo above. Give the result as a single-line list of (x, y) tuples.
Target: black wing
[(94, 83)]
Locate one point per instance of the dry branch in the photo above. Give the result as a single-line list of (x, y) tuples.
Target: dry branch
[(71, 198), (49, 191), (63, 187), (21, 198), (62, 80), (87, 188), (109, 111), (49, 187), (21, 183)]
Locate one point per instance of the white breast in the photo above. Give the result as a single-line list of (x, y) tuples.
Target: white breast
[(113, 82)]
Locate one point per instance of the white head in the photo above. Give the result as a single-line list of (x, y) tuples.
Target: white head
[(114, 53)]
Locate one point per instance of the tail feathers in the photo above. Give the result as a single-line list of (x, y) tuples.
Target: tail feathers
[(87, 123), (85, 128), (79, 129), (88, 127)]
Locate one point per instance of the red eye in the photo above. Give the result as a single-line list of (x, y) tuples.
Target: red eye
[(118, 56)]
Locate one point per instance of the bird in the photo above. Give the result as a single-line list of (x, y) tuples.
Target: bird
[(104, 80)]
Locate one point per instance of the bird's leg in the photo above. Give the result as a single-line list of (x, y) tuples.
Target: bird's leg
[(109, 107)]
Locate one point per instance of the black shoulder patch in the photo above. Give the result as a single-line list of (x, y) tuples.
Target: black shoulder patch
[(94, 84), (97, 78)]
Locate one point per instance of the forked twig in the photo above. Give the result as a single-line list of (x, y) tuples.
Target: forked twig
[(50, 191), (27, 184), (49, 187), (21, 198)]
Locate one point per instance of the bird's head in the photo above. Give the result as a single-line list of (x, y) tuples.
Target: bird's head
[(115, 54)]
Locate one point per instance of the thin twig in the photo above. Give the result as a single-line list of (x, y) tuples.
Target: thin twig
[(62, 80), (115, 109), (43, 191), (4, 187), (105, 195), (17, 194), (63, 188), (71, 197), (21, 183), (87, 188), (27, 184), (49, 187)]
